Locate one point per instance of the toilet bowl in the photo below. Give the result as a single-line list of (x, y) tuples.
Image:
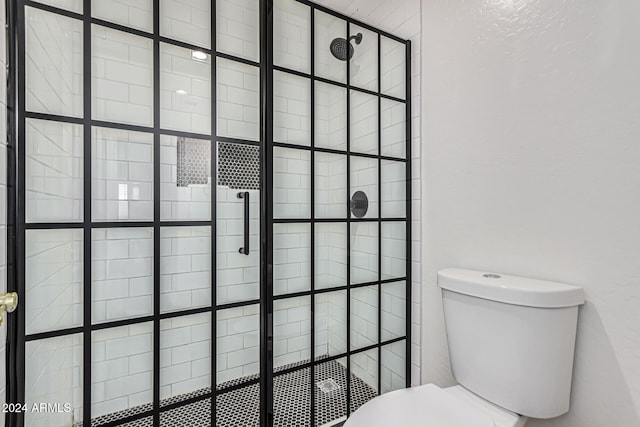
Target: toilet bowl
[(431, 406), (511, 345)]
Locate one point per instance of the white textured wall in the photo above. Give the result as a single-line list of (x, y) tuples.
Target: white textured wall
[(402, 18), (531, 124)]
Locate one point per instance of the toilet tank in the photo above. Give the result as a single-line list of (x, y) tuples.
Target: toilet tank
[(511, 339)]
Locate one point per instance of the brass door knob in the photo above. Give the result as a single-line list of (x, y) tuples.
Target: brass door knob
[(8, 303)]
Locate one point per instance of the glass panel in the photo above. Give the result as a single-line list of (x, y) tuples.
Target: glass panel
[(54, 375), (292, 398), (185, 178), (291, 258), (130, 13), (330, 384), (238, 92), (364, 317), (238, 28), (291, 331), (291, 109), (237, 345), (393, 68), (364, 177), (187, 21), (185, 89), (394, 310), (122, 175), (122, 77), (53, 281), (291, 183), (185, 357), (330, 255), (364, 378), (53, 171), (394, 250), (394, 189), (330, 185), (331, 324), (394, 128), (364, 123), (393, 366), (364, 64), (122, 370), (364, 252), (227, 402), (238, 275), (53, 63), (327, 29), (292, 35), (121, 273), (72, 5), (330, 116), (185, 268)]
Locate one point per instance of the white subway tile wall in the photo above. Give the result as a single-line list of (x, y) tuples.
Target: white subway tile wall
[(291, 183), (186, 203), (364, 365), (291, 109), (291, 330), (331, 323), (54, 375), (393, 68), (291, 30), (121, 368), (237, 343), (393, 128), (237, 28), (185, 89), (72, 5), (364, 177), (364, 317), (364, 63), (185, 268), (330, 116), (54, 173), (238, 103), (364, 252), (121, 273), (122, 175), (330, 176), (394, 310), (53, 280), (327, 28), (186, 20), (392, 375), (121, 77), (238, 275), (291, 258), (393, 189), (330, 255), (185, 354), (136, 14), (364, 123), (53, 63), (394, 250)]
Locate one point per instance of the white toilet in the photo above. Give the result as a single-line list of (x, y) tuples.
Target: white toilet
[(511, 343)]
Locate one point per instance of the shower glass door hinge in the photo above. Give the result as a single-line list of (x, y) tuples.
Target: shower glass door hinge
[(8, 303)]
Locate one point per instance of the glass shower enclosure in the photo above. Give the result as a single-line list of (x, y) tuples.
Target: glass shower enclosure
[(209, 213)]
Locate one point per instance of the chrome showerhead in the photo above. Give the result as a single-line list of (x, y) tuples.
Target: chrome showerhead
[(342, 49)]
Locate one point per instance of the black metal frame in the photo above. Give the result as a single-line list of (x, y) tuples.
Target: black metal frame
[(17, 225)]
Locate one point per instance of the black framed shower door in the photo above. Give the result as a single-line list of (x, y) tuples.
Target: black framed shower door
[(180, 222)]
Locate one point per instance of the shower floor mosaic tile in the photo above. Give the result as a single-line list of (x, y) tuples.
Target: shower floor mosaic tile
[(240, 407)]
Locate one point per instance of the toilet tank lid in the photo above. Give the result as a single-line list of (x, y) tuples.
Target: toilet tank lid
[(510, 289)]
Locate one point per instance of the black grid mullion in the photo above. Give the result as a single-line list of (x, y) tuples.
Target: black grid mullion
[(379, 217), (348, 411), (86, 65), (312, 187), (214, 231), (408, 272), (156, 213)]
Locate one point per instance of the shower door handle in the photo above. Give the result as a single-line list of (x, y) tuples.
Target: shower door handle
[(245, 195)]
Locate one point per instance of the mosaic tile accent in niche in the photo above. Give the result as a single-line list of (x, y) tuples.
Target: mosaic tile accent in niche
[(194, 162), (239, 166), (240, 407)]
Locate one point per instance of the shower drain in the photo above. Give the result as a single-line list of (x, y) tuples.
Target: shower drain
[(328, 385)]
